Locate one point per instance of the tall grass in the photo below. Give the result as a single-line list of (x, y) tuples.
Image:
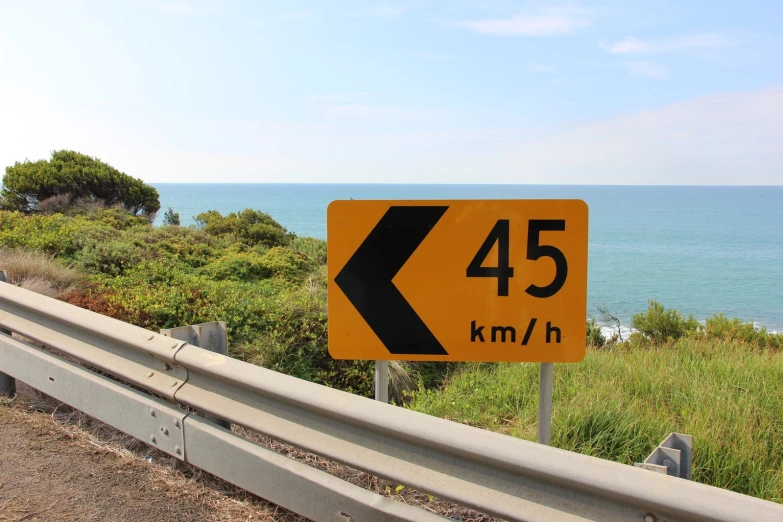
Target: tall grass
[(619, 403), (38, 272)]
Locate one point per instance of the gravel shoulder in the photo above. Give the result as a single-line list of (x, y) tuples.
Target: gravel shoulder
[(51, 470)]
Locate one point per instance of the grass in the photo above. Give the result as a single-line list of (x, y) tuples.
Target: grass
[(38, 272), (620, 403)]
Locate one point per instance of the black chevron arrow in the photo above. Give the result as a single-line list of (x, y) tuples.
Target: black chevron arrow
[(366, 280)]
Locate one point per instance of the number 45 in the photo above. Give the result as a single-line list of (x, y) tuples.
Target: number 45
[(503, 272)]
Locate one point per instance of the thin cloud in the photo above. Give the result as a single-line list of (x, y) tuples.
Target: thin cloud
[(646, 70), (379, 112), (728, 138), (550, 21), (296, 15), (384, 10), (184, 7), (541, 68), (680, 45), (388, 10)]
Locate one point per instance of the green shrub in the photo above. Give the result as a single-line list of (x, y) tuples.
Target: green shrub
[(287, 264), (115, 217), (312, 247), (111, 257), (659, 324), (237, 266), (721, 327), (51, 234), (251, 227), (594, 336), (296, 345), (159, 294), (180, 245)]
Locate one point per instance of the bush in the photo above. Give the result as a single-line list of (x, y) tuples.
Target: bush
[(50, 234), (111, 257), (312, 247), (594, 336), (27, 184), (721, 327), (296, 345), (251, 227), (659, 324)]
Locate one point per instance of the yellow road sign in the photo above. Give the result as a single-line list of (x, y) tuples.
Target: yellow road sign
[(481, 280)]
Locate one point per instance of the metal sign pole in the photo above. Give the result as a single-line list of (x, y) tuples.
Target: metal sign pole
[(382, 381), (546, 381)]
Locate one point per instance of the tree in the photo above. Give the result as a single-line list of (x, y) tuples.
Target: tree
[(76, 175), (170, 217), (609, 319)]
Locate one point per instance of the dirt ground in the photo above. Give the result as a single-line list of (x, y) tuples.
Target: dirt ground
[(50, 471), (58, 464)]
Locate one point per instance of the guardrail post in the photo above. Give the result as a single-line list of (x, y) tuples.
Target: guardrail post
[(673, 456), (382, 381), (7, 383), (546, 378), (210, 336)]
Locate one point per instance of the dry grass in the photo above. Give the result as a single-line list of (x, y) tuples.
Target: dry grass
[(38, 272), (401, 381)]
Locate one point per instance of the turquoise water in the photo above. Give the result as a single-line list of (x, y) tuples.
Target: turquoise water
[(701, 250)]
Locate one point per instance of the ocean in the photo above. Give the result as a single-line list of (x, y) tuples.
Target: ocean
[(701, 250)]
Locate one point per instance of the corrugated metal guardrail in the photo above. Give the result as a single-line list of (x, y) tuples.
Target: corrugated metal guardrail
[(495, 474)]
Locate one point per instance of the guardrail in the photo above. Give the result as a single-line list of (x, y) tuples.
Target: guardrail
[(499, 475)]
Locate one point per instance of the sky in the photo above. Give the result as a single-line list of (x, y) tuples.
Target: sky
[(607, 92)]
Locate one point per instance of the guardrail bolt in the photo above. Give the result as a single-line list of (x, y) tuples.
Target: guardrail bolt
[(649, 517), (165, 431), (152, 412), (176, 424), (346, 516), (177, 450), (153, 439)]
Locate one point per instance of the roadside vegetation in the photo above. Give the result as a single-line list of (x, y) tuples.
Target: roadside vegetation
[(720, 380)]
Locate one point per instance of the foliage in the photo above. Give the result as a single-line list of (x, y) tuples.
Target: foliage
[(76, 175), (248, 266), (251, 227), (594, 336), (50, 234), (170, 218), (720, 327), (659, 324), (312, 247), (297, 346), (621, 402)]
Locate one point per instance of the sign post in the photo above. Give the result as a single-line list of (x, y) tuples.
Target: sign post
[(382, 381), (545, 385), (459, 280)]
